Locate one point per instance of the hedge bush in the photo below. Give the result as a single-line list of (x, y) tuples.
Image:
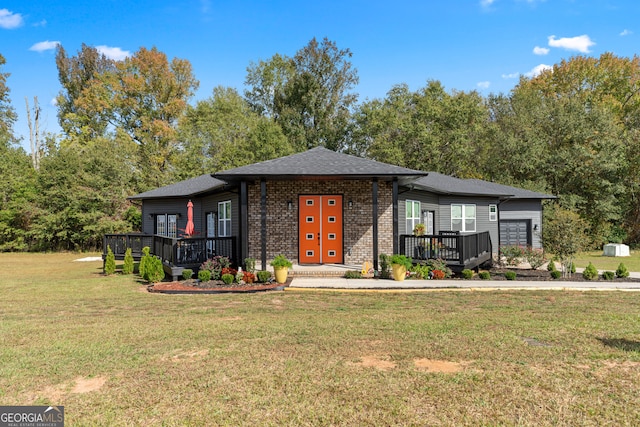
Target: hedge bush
[(608, 275), (263, 276), (590, 273), (204, 275), (228, 278), (467, 274), (622, 271), (154, 270), (110, 262), (187, 273), (510, 275), (556, 274), (127, 267), (485, 275)]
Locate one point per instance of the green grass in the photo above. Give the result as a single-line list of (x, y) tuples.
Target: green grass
[(608, 263), (295, 358)]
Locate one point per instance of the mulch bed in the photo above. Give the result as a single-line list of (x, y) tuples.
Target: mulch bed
[(212, 287)]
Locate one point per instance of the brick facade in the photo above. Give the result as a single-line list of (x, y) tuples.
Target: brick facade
[(282, 223)]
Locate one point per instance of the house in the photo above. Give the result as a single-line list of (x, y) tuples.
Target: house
[(324, 207)]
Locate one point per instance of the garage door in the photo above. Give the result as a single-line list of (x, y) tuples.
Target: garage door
[(515, 232)]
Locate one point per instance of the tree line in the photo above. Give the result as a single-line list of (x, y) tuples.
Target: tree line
[(128, 126)]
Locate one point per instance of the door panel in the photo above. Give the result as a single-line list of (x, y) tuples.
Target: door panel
[(320, 230), (515, 232)]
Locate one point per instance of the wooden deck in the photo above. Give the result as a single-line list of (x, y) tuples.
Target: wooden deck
[(459, 251)]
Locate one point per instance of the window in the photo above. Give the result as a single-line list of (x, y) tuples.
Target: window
[(167, 225), (493, 213), (428, 220), (463, 218), (224, 219), (412, 215)]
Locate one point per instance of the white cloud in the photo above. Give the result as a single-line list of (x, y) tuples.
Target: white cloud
[(540, 50), (53, 102), (45, 45), (114, 53), (580, 43), (626, 32), (538, 69), (42, 23), (511, 76), (486, 3), (10, 20), (484, 85)]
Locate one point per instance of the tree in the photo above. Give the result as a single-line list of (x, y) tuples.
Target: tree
[(563, 234), (224, 132), (309, 95), (7, 113)]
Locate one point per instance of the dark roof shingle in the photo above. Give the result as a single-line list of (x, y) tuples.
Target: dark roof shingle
[(190, 187)]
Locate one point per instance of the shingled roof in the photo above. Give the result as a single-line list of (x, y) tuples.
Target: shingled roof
[(448, 185), (319, 162), (190, 187), (518, 193)]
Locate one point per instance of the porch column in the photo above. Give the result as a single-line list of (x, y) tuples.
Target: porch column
[(263, 223), (374, 197), (244, 224), (394, 202)]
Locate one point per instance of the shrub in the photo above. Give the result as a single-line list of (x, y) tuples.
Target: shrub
[(239, 276), (109, 262), (229, 270), (485, 275), (622, 271), (228, 278), (590, 273), (187, 273), (510, 275), (401, 260), (146, 257), (556, 274), (467, 274), (512, 254), (608, 275), (154, 270), (551, 266), (204, 275), (127, 267), (437, 274), (248, 277), (572, 267), (535, 257), (263, 276), (215, 265), (438, 264), (250, 264), (384, 266), (353, 274), (281, 261), (420, 271)]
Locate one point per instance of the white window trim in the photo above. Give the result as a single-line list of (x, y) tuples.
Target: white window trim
[(493, 216), (166, 225), (463, 218), (413, 219), (224, 223)]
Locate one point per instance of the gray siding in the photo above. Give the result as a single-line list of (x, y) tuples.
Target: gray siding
[(201, 206), (428, 202), (482, 215), (524, 209)]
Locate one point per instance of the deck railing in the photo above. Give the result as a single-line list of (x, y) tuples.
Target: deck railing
[(448, 246), (173, 251)]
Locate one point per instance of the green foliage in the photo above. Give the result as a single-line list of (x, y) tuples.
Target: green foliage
[(551, 266), (187, 273), (467, 274), (403, 260), (154, 270), (353, 274), (110, 262), (204, 275), (564, 234), (608, 275), (535, 257), (513, 254), (556, 274), (420, 271), (228, 278), (144, 262), (215, 266), (622, 271), (263, 276), (572, 267), (484, 275), (281, 261), (590, 273), (385, 266), (250, 265), (510, 275), (127, 266)]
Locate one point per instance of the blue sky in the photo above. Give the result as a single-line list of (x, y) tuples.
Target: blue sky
[(468, 45)]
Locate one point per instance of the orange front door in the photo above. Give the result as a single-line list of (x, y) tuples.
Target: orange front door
[(320, 230)]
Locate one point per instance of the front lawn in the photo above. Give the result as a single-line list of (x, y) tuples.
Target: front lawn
[(114, 354), (607, 262)]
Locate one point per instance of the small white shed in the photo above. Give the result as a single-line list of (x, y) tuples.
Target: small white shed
[(616, 249)]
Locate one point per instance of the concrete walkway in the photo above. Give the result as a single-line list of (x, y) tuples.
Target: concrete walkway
[(340, 283)]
